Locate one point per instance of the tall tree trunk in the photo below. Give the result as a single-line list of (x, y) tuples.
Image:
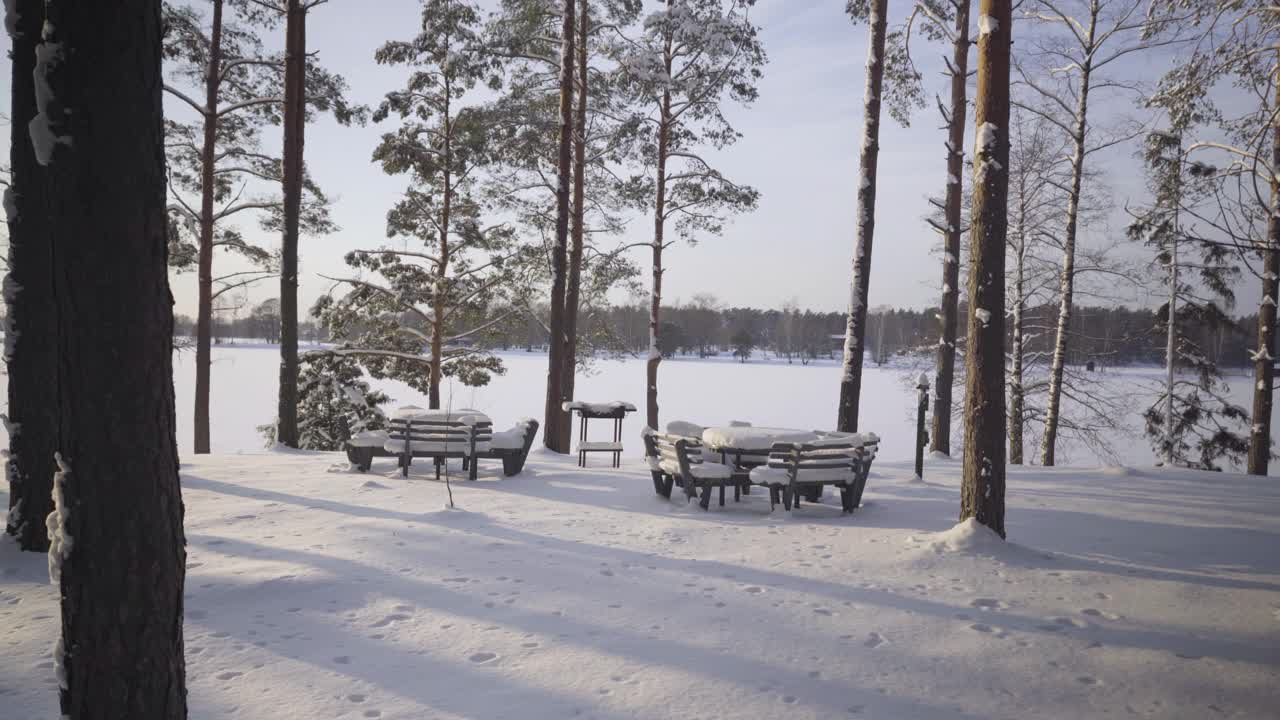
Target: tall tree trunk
[(442, 267), (982, 482), (1264, 359), (659, 244), (204, 308), (1017, 401), (31, 350), (856, 326), (295, 121), (573, 291), (1066, 282), (1171, 336), (553, 436), (940, 433), (117, 542)]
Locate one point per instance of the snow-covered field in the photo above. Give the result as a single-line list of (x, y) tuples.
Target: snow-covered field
[(317, 592), (707, 392)]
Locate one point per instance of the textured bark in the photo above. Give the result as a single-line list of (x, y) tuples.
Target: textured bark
[(295, 112), (983, 480), (1264, 361), (438, 308), (856, 328), (553, 435), (32, 351), (1171, 339), (572, 293), (945, 380), (204, 309), (123, 561), (1066, 283), (659, 243)]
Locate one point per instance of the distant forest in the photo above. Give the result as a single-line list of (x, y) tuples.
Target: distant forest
[(1104, 336)]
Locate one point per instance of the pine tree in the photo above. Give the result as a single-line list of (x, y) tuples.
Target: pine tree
[(1193, 421), (1236, 42), (691, 57), (983, 481), (334, 403), (944, 20), (455, 280), (217, 157), (30, 347), (117, 548)]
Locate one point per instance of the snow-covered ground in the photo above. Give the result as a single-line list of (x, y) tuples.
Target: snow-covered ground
[(317, 592), (707, 392)]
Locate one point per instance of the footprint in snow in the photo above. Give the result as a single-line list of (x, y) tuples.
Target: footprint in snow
[(988, 604), (230, 675), (1094, 612), (482, 658), (394, 617), (356, 697), (874, 640), (343, 660)]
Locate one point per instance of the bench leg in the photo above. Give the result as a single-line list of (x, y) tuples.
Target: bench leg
[(721, 494), (473, 468), (705, 503), (404, 465), (786, 498), (773, 498)]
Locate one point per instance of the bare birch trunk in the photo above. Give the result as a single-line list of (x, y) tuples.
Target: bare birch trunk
[(295, 107), (1066, 282), (983, 481), (204, 308), (1017, 401), (554, 417), (856, 327), (1264, 359), (940, 433), (572, 294)]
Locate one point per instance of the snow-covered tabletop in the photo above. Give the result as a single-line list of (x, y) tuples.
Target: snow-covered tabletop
[(753, 439), (464, 415), (604, 408)]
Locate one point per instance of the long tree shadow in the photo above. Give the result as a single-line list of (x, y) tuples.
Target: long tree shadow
[(610, 640)]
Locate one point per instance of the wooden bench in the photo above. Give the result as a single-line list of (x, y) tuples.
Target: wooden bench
[(797, 469), (678, 460), (441, 439)]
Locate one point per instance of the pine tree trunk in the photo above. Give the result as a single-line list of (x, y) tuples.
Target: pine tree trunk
[(119, 554), (295, 112), (442, 267), (555, 419), (31, 350), (983, 480), (940, 433), (856, 327), (1066, 282), (1017, 400), (573, 291), (659, 244), (1171, 338), (204, 308), (1264, 360)]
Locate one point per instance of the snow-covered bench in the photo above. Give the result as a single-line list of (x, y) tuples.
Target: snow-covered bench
[(678, 460), (440, 435), (796, 469)]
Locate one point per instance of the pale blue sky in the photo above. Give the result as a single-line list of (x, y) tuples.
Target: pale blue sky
[(799, 149)]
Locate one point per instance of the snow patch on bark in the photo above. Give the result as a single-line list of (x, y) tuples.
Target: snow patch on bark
[(987, 25), (60, 663), (43, 137), (60, 541), (11, 18)]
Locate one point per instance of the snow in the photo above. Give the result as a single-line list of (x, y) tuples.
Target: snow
[(578, 592), (60, 540), (10, 206), (984, 316), (986, 138), (987, 25), (43, 138), (11, 17)]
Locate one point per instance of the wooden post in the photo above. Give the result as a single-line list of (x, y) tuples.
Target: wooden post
[(922, 435)]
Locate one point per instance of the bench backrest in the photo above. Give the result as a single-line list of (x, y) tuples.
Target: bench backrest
[(666, 446), (820, 455), (432, 430)]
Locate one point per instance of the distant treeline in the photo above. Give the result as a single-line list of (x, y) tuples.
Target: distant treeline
[(1104, 336)]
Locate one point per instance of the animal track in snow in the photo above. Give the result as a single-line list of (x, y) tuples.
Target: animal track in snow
[(874, 640)]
